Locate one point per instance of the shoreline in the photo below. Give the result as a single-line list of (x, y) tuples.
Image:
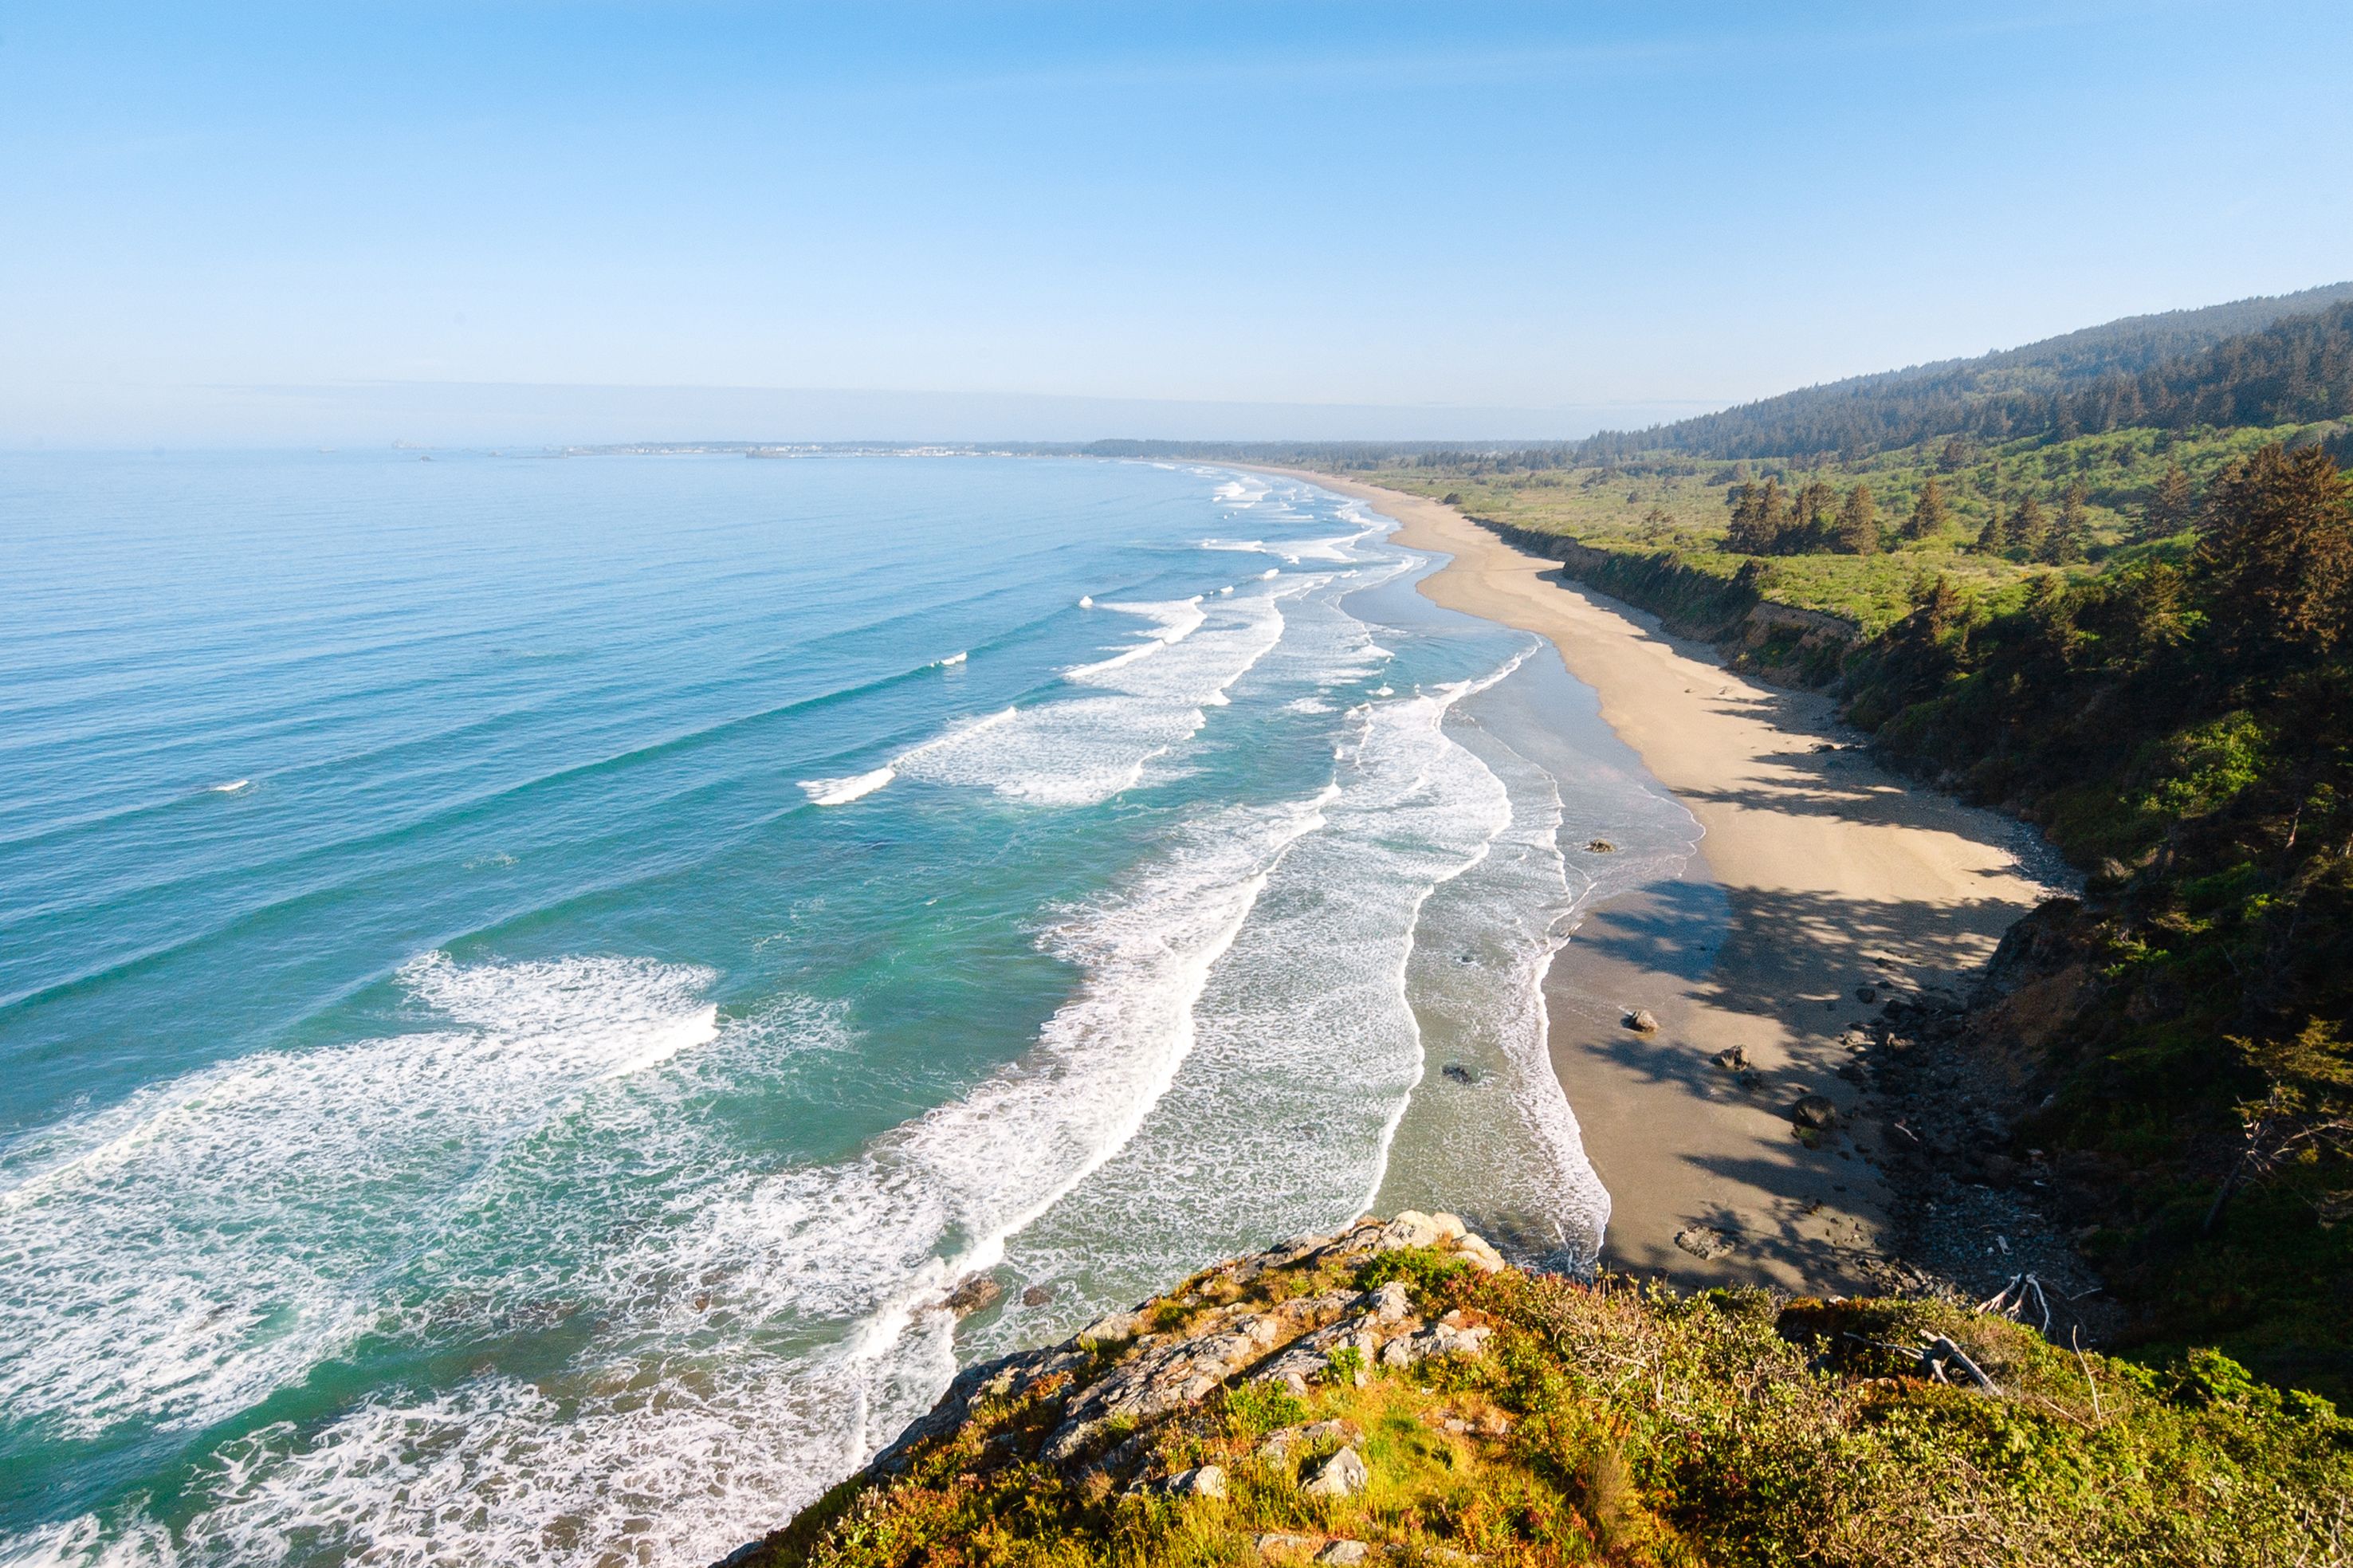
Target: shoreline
[(1817, 874)]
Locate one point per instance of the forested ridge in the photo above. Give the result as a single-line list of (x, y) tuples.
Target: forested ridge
[(2271, 361)]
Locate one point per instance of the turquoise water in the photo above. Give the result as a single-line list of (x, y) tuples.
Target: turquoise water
[(523, 983)]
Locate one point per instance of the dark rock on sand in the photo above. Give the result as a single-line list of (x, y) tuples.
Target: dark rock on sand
[(1816, 1112), (1705, 1241)]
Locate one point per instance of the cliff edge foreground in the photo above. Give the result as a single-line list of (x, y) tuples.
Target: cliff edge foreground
[(1397, 1394)]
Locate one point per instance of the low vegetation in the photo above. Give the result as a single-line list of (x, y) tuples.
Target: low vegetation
[(1607, 1423), (1991, 519)]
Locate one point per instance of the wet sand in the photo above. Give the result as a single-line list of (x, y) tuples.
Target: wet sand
[(1818, 875)]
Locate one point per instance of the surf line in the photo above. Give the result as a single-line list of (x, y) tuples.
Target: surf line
[(841, 791), (1060, 1050)]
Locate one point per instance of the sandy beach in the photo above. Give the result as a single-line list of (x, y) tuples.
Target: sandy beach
[(1818, 875)]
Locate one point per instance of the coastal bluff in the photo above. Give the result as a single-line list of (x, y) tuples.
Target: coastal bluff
[(1398, 1392)]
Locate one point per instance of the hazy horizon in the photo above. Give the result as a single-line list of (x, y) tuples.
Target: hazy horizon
[(485, 415)]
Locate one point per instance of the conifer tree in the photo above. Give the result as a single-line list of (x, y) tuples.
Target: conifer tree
[(2171, 507), (1928, 512), (1758, 520), (2277, 555), (2064, 543), (1989, 538), (1772, 516), (1936, 605), (1858, 524), (1811, 527), (2025, 526)]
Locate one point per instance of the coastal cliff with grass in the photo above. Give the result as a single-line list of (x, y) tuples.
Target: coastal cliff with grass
[(2104, 584), (2136, 637), (1397, 1394)]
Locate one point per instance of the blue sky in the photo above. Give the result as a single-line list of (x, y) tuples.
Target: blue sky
[(513, 219)]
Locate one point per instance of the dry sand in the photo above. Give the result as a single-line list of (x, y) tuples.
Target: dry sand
[(1818, 873)]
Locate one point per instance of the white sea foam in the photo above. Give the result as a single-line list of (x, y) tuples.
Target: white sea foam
[(841, 791), (1126, 711), (177, 1258), (234, 786), (1172, 622), (1505, 1142), (1086, 602), (1308, 1047), (1339, 549), (745, 1359)]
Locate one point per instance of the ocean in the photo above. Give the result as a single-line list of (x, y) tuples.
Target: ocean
[(525, 982)]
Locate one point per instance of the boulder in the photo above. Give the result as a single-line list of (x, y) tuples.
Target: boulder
[(1641, 1020), (1410, 1228), (1037, 1296), (1814, 1112), (1599, 846), (1734, 1060), (977, 1291), (1201, 1481), (1342, 1552), (1390, 1304), (1309, 1361), (1282, 1543), (1112, 1327), (1479, 1254), (1452, 1335), (1705, 1241), (1343, 1475)]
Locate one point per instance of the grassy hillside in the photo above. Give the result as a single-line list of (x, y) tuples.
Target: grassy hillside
[(1665, 506), (1575, 1423)]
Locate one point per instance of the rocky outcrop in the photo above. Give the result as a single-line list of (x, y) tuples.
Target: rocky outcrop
[(1117, 1376)]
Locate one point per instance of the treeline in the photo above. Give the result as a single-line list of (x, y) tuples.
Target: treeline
[(2253, 362), (1818, 518), (2295, 371), (2185, 729)]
